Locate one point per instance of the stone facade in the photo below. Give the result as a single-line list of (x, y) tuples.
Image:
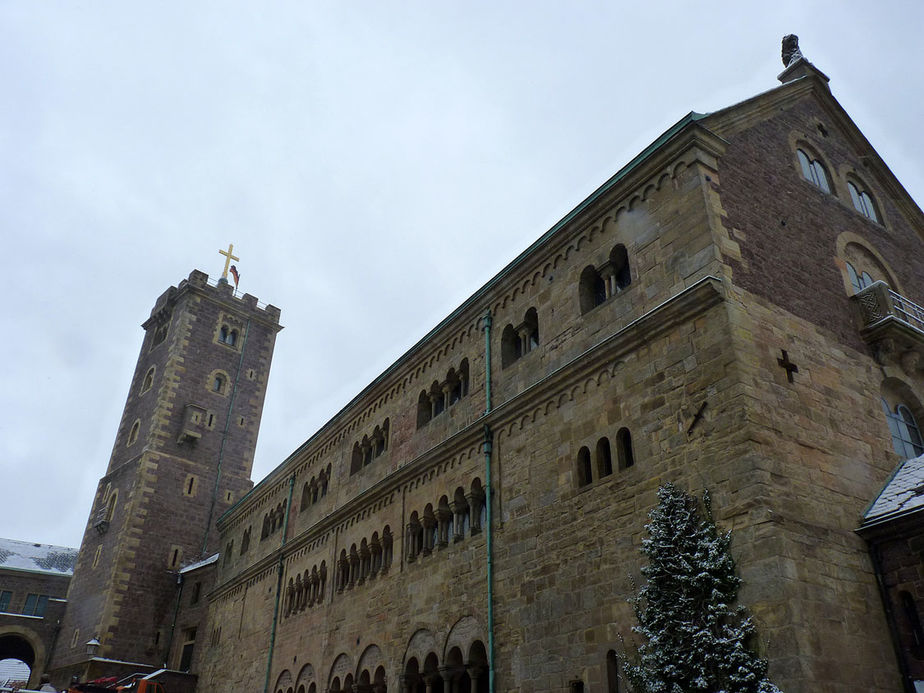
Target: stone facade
[(702, 318), (691, 321), (182, 456)]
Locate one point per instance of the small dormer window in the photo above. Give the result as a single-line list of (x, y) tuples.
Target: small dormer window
[(862, 201), (813, 171)]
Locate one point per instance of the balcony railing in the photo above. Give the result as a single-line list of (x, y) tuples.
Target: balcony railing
[(886, 314)]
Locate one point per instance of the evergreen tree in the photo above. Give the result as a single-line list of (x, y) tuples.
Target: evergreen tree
[(695, 637)]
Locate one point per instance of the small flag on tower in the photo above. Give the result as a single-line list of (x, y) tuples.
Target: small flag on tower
[(236, 275)]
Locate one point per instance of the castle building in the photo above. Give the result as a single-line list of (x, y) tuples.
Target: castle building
[(181, 458), (733, 310)]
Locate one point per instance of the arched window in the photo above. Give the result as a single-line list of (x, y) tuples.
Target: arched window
[(111, 505), (520, 340), (618, 269), (148, 380), (858, 280), (460, 514), (463, 378), (592, 290), (862, 201), (323, 481), (510, 346), (387, 548), (366, 448), (531, 324), (133, 433), (906, 433), (428, 523), (477, 505), (424, 409), (245, 542), (813, 171), (624, 453), (437, 399), (227, 335), (584, 471), (356, 459), (599, 284), (219, 383), (604, 458), (378, 442)]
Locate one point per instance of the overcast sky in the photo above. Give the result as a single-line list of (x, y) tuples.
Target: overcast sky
[(373, 163)]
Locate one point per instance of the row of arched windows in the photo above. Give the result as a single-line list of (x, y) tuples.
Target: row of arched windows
[(365, 562), (306, 590), (815, 172), (315, 489), (600, 465), (517, 341), (458, 673), (273, 520), (449, 522), (442, 395), (369, 448), (600, 284), (366, 683)]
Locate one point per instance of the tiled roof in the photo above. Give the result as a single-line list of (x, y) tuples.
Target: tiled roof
[(42, 558), (903, 493)]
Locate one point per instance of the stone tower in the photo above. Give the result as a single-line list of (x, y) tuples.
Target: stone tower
[(182, 455)]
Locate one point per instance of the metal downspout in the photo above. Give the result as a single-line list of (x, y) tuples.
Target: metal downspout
[(285, 534), (907, 685), (489, 531), (487, 362), (224, 437)]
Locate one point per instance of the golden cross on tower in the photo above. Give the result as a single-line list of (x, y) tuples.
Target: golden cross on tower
[(228, 258)]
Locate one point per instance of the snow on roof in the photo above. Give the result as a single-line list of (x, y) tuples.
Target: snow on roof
[(903, 493), (39, 558)]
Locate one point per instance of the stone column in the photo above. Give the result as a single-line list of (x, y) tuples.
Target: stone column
[(429, 680), (457, 529), (444, 519), (475, 501), (411, 554), (428, 525), (475, 671)]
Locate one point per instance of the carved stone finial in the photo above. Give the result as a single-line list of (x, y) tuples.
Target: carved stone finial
[(791, 52)]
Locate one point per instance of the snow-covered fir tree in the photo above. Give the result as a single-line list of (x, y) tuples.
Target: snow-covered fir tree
[(695, 638)]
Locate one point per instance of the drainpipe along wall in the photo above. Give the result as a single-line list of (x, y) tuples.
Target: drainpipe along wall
[(489, 529)]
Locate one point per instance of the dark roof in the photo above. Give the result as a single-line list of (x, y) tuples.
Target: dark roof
[(902, 494)]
